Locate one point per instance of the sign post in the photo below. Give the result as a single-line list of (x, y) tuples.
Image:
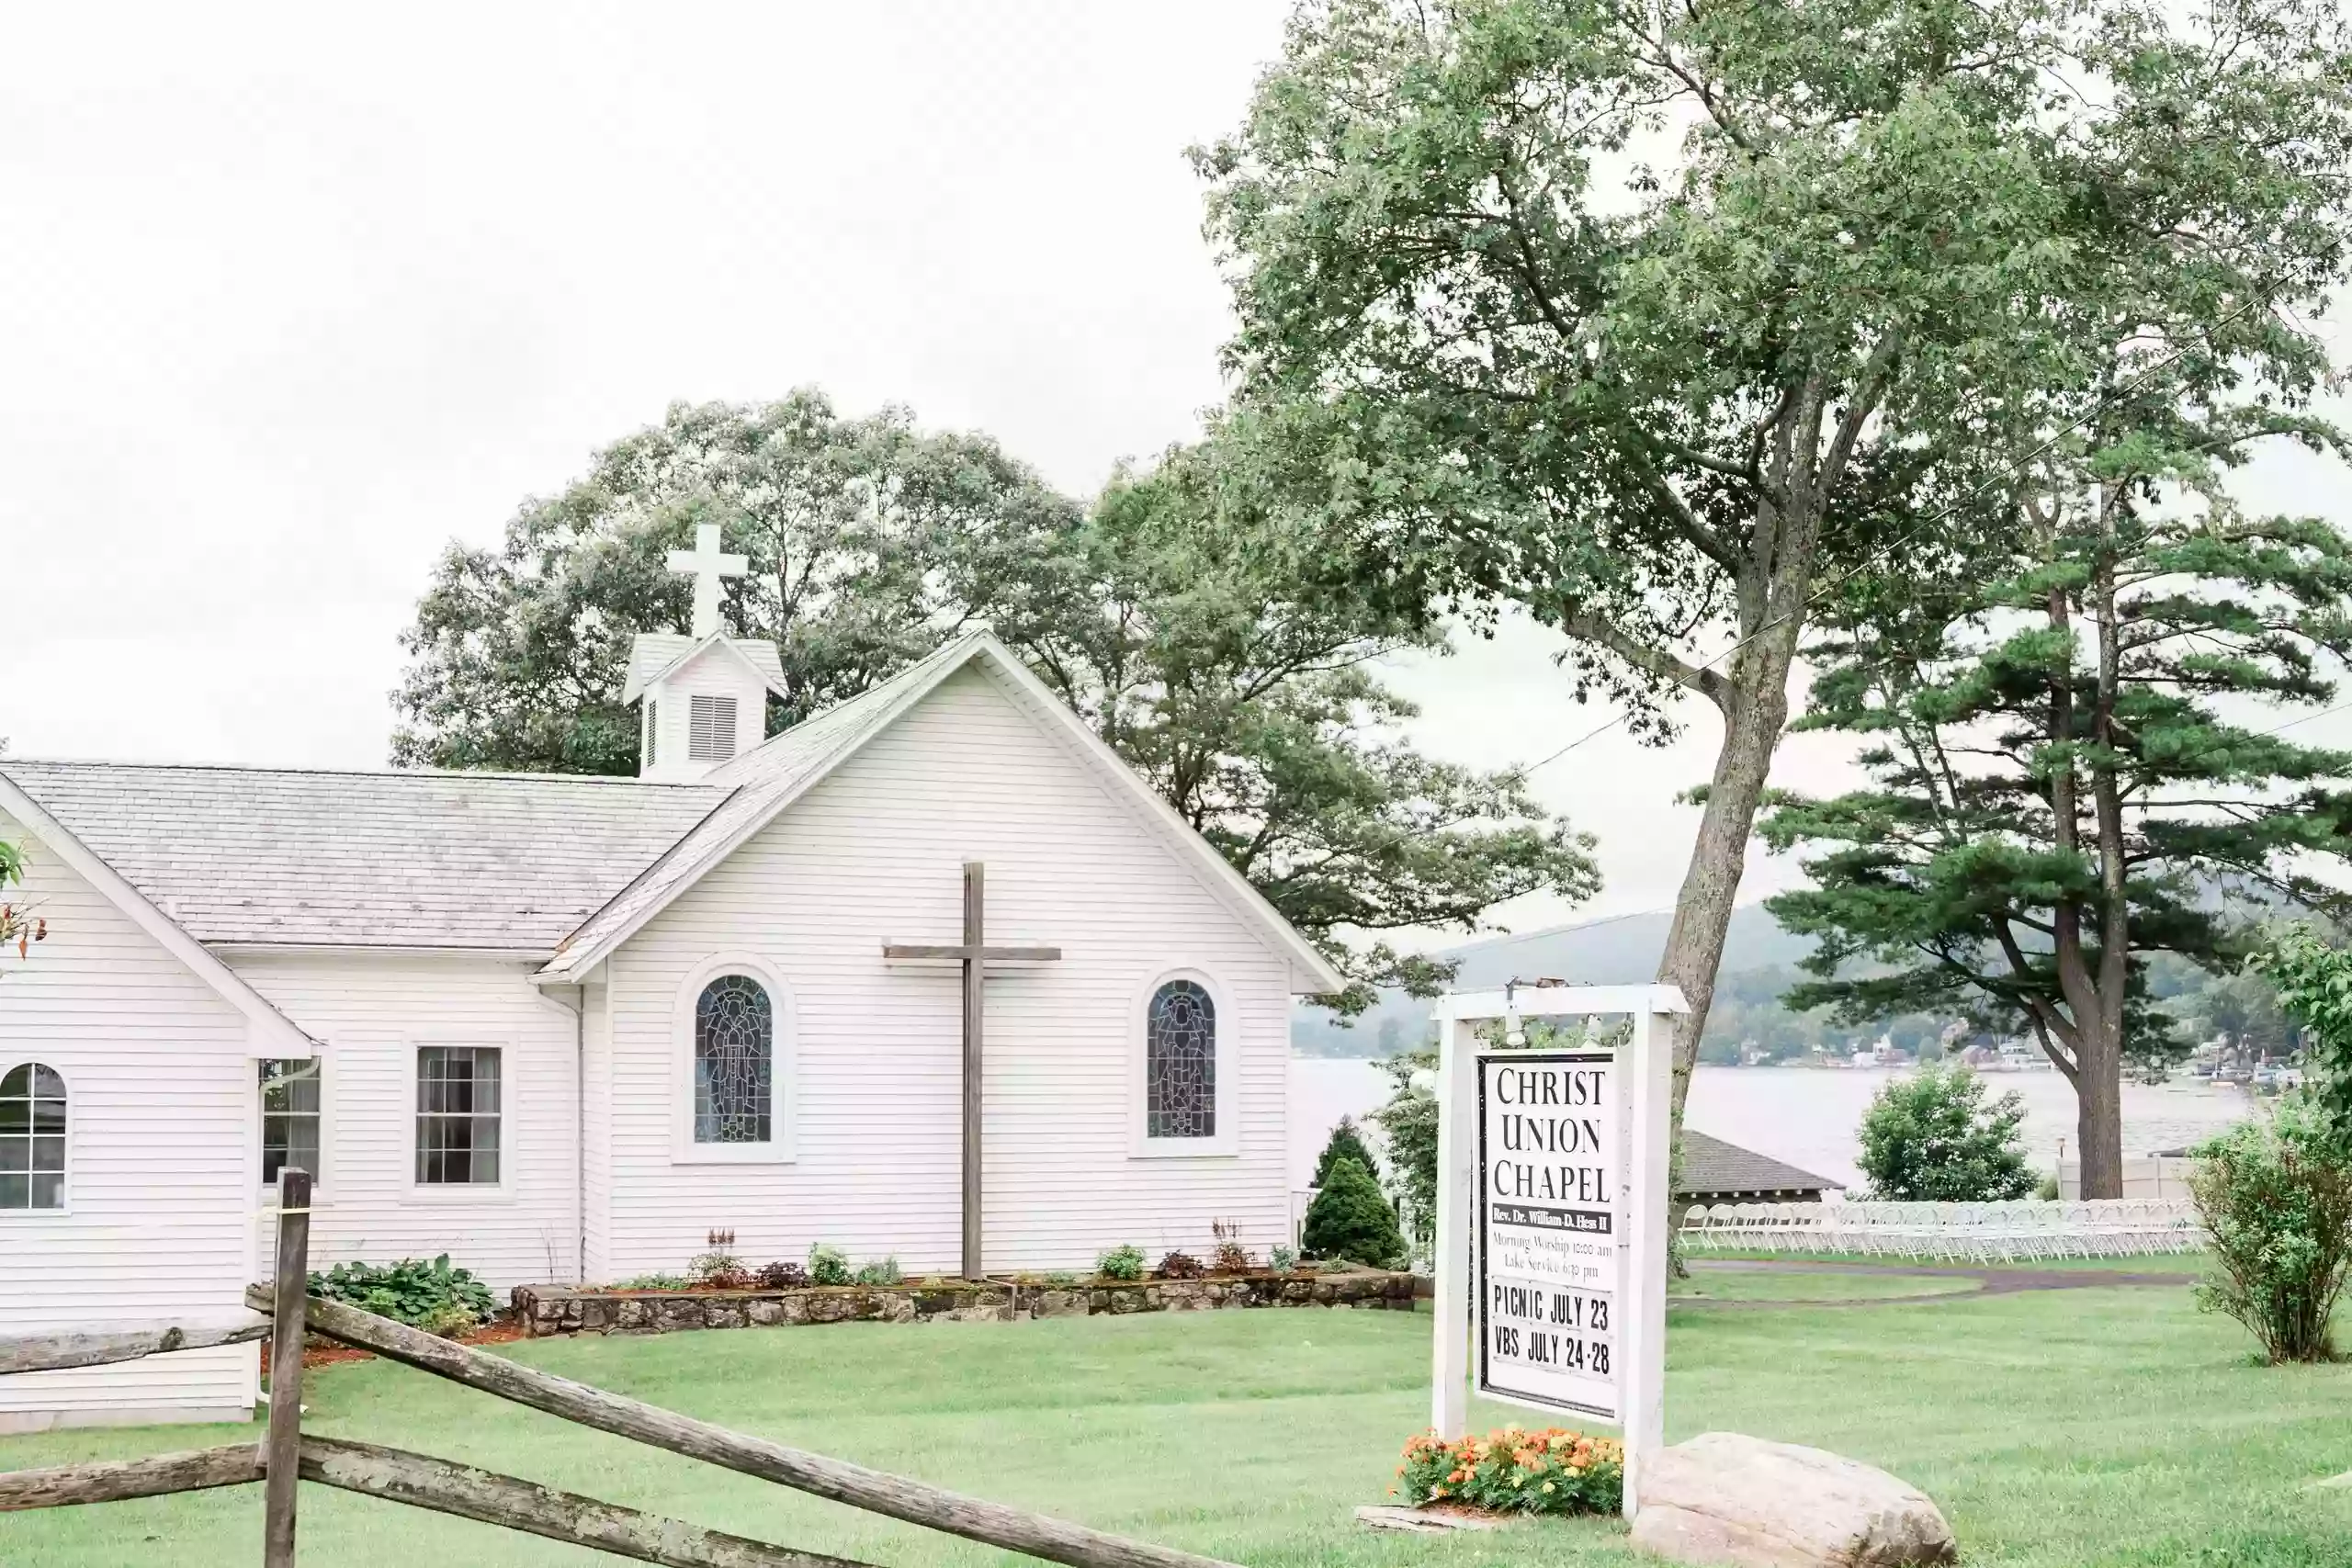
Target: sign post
[(1551, 1223)]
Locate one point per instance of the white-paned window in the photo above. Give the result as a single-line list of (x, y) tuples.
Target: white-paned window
[(458, 1108), (289, 1118), (710, 733), (1180, 1062), (652, 733), (32, 1137)]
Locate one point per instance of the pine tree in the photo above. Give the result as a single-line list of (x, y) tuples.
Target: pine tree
[(1345, 1142), (2063, 782)]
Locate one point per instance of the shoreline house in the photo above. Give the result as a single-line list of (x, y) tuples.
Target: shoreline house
[(559, 1028)]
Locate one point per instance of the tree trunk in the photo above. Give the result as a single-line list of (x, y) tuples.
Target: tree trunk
[(2098, 1112), (2099, 1095), (1753, 720)]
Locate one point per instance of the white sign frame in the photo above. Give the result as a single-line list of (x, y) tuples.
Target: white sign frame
[(1644, 1087)]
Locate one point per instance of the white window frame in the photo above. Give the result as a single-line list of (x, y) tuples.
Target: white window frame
[(73, 1099), (503, 1191), (318, 1177), (1227, 1141), (784, 1064)]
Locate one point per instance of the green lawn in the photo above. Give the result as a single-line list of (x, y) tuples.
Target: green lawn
[(2066, 1428)]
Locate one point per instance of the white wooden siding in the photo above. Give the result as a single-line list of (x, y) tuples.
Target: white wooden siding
[(872, 855), (156, 1227), (373, 1010)]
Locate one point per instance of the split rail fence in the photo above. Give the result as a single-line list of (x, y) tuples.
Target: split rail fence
[(285, 1455), (1966, 1233)]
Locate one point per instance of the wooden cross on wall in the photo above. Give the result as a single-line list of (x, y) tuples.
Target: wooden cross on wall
[(975, 954)]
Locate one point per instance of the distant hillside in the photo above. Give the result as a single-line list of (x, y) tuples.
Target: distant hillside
[(1621, 951)]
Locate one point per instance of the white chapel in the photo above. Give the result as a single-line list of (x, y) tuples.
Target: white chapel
[(560, 1028)]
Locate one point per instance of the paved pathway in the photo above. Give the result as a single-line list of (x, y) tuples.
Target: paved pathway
[(1991, 1280)]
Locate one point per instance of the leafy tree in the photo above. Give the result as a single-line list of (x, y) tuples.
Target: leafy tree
[(2243, 1008), (519, 654), (1814, 332), (1177, 620), (1409, 1120), (2313, 979), (1932, 1137), (1653, 409), (1173, 616), (1351, 1219), (1345, 1142)]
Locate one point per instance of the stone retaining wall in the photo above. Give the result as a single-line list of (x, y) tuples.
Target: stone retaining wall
[(566, 1309)]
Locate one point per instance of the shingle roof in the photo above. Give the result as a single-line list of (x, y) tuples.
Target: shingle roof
[(652, 655), (515, 861), (1712, 1167), (505, 861)]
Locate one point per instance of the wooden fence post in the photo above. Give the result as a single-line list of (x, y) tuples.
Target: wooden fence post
[(282, 1449)]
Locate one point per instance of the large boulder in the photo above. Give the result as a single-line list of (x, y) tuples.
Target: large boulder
[(1727, 1499)]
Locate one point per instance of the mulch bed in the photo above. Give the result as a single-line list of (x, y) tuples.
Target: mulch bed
[(500, 1330)]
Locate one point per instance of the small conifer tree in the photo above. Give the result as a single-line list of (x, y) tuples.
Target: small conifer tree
[(1345, 1142), (1351, 1219)]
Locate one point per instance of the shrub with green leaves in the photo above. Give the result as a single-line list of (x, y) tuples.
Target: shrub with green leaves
[(1121, 1263), (2313, 979), (1351, 1219), (880, 1271), (655, 1281), (1934, 1138), (438, 1297), (2275, 1197), (829, 1265)]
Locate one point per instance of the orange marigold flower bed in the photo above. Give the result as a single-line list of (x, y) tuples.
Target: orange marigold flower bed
[(1515, 1471)]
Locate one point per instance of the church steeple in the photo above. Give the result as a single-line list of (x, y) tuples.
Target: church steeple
[(705, 694)]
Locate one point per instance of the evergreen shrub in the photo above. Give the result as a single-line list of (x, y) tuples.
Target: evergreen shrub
[(1351, 1219), (1345, 1142)]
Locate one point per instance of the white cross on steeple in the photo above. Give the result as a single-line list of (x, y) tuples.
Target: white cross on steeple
[(707, 567)]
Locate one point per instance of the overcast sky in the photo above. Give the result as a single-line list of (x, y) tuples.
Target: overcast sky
[(292, 299)]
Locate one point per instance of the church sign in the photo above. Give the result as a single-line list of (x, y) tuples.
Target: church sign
[(1548, 1230), (1551, 1211)]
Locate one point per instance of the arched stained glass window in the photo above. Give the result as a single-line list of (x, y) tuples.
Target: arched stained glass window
[(1180, 1062), (32, 1138), (734, 1062)]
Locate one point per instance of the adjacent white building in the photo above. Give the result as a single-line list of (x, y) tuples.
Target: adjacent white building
[(562, 1028)]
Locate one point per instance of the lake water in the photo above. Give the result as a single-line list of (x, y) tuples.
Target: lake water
[(1806, 1116)]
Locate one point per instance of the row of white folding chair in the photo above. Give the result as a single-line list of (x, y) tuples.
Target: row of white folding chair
[(2026, 1229)]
